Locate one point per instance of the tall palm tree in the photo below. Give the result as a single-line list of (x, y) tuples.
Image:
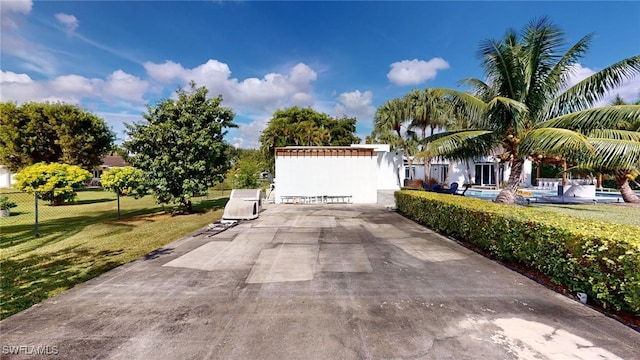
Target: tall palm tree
[(391, 118), (526, 105), (428, 109)]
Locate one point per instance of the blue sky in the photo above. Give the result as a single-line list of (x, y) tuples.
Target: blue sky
[(341, 58)]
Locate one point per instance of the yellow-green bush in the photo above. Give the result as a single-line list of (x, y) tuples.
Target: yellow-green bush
[(598, 258), (52, 182)]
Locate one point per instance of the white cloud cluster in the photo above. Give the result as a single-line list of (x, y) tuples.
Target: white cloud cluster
[(413, 72), (272, 91), (69, 22), (10, 12), (72, 88), (355, 104)]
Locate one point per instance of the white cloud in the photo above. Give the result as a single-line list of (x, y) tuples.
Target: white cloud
[(272, 91), (69, 22), (73, 88), (164, 73), (121, 85), (412, 72), (355, 104), (9, 77), (249, 134), (10, 10)]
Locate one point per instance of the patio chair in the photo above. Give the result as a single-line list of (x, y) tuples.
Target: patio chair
[(453, 188)]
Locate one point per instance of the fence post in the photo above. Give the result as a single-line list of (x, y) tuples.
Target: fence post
[(37, 232)]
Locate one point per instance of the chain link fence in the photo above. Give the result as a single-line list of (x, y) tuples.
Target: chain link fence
[(24, 213)]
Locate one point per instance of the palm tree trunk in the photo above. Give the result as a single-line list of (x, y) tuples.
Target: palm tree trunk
[(508, 193), (469, 180), (625, 190)]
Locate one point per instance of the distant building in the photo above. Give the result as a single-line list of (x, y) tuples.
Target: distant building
[(108, 162)]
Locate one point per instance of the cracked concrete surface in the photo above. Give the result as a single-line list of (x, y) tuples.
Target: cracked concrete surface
[(316, 282)]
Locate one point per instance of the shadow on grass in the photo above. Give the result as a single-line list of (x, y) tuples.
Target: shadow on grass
[(53, 230), (28, 281), (50, 230), (212, 204), (89, 201)]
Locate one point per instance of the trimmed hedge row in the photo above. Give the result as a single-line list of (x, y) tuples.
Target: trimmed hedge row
[(598, 258)]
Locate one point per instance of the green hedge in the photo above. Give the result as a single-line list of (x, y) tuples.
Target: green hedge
[(598, 258)]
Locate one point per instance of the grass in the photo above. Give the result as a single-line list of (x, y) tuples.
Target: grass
[(81, 241), (613, 213)]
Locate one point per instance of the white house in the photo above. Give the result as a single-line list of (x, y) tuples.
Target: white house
[(356, 174), (485, 171)]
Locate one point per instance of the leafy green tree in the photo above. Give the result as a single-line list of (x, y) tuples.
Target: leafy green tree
[(51, 132), (246, 169), (305, 127), (180, 147), (126, 181), (53, 182), (527, 106)]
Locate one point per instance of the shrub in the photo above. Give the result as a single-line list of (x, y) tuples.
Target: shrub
[(598, 258), (125, 180), (52, 182)]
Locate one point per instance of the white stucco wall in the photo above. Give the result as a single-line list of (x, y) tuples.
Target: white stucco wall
[(390, 167), (355, 176), (6, 178)]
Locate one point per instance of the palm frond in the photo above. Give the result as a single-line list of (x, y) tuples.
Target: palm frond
[(469, 105), (510, 104), (615, 153), (615, 134), (588, 120), (589, 91), (461, 144), (554, 142)]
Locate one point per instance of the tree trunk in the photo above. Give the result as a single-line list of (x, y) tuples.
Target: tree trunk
[(469, 180), (628, 195), (508, 194)]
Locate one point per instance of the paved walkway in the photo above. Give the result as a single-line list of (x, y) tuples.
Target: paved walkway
[(315, 282)]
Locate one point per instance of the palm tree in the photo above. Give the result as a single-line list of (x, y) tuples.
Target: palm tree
[(526, 105), (428, 109), (624, 167), (390, 118)]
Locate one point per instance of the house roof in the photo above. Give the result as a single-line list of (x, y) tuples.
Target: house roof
[(114, 161), (294, 151)]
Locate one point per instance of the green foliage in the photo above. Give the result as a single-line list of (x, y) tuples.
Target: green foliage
[(125, 181), (53, 182), (180, 147), (51, 132), (248, 164), (6, 204), (522, 107), (247, 175), (599, 258), (305, 127)]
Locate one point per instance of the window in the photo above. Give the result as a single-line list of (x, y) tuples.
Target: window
[(485, 174)]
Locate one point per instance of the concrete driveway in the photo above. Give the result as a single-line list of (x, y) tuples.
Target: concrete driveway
[(315, 282)]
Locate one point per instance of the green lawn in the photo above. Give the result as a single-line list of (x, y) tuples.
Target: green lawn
[(614, 213), (81, 241)]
